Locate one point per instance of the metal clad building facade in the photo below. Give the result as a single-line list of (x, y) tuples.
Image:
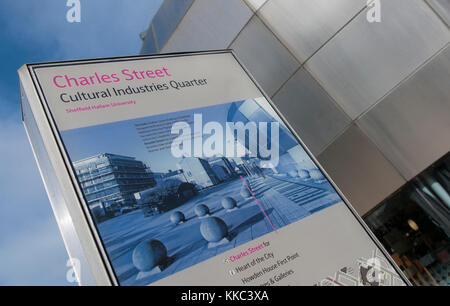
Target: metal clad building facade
[(371, 100)]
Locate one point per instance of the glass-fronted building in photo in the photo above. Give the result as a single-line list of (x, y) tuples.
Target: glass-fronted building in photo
[(198, 171), (109, 181), (223, 167)]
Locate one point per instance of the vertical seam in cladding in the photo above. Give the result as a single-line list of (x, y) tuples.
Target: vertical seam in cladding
[(377, 149), (250, 7), (287, 80), (333, 140), (155, 40), (276, 37), (388, 160), (302, 65), (314, 53), (387, 92), (402, 81), (255, 15), (437, 14), (355, 121), (240, 31), (262, 5), (335, 34), (334, 99), (178, 24), (397, 86)]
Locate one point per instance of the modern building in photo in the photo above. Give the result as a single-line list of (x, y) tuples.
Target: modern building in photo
[(198, 172), (223, 166), (109, 179)]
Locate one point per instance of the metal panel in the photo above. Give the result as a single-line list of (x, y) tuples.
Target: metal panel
[(442, 7), (65, 224), (360, 171), (209, 24), (255, 4), (267, 59), (313, 114), (167, 19), (149, 43), (412, 125), (74, 227), (366, 60), (305, 25)]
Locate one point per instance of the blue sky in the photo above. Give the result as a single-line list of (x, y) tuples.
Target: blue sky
[(31, 249)]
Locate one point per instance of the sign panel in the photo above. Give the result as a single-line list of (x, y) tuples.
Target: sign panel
[(190, 176)]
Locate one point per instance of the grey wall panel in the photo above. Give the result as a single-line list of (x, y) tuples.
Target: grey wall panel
[(255, 4), (149, 45), (366, 60), (266, 58), (313, 114), (209, 24), (411, 126), (360, 171), (442, 7), (305, 25), (167, 18)]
